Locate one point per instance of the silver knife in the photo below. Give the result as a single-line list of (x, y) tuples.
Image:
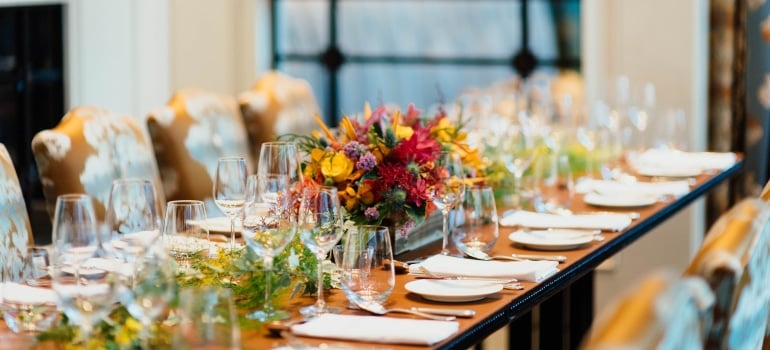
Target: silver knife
[(559, 258), (446, 312)]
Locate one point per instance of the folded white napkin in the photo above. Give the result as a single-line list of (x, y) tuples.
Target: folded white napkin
[(376, 329), (615, 188), (24, 294), (605, 222), (444, 265), (660, 158)]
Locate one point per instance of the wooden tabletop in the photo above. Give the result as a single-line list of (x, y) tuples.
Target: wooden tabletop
[(496, 311)]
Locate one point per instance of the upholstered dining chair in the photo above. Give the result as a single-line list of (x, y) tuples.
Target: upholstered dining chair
[(278, 104), (663, 311), (89, 148), (190, 134), (15, 232), (735, 261)]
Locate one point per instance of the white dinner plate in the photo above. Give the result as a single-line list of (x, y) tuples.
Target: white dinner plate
[(221, 224), (669, 171), (619, 200), (453, 291), (552, 239)]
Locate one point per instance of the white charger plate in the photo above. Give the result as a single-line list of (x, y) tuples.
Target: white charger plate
[(552, 239), (619, 201), (669, 171), (453, 291)]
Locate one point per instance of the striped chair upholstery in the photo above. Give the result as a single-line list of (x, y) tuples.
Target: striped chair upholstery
[(735, 261), (277, 104), (664, 311), (190, 134), (88, 149), (15, 233)]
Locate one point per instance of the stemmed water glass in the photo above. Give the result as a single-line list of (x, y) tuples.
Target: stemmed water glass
[(133, 217), (448, 190), (184, 232), (230, 189), (517, 151), (81, 272), (268, 226), (320, 221), (282, 158)]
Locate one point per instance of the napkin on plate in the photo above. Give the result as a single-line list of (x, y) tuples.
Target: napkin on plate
[(605, 222), (443, 265), (659, 158), (643, 189), (376, 329), (28, 295)]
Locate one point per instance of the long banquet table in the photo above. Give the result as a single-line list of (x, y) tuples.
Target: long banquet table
[(565, 300)]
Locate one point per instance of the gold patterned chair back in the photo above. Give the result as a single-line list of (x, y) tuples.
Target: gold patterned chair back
[(190, 134), (88, 149), (277, 104), (15, 232), (664, 311), (735, 261)]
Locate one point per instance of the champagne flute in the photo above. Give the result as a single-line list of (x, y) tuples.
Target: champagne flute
[(230, 189), (81, 272), (320, 221), (133, 217), (448, 190), (268, 226)]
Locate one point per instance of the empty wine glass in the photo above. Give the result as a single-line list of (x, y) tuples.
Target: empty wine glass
[(81, 273), (207, 320), (230, 189), (517, 152), (587, 136), (448, 190), (184, 232), (320, 221), (132, 217), (282, 158), (268, 226), (367, 272)]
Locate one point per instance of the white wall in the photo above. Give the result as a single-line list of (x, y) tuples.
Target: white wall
[(116, 54), (664, 42)]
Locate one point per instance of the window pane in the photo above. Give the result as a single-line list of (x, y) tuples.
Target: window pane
[(430, 28), (422, 84), (302, 26)]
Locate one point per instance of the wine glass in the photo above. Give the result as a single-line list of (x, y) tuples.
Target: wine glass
[(268, 226), (282, 158), (230, 189), (320, 221), (448, 190), (184, 233), (207, 320), (587, 137), (517, 152), (368, 276), (133, 219), (82, 272)]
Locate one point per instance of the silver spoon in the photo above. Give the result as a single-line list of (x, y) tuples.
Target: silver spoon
[(480, 255), (378, 309)]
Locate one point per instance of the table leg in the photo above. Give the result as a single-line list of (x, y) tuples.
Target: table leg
[(520, 332)]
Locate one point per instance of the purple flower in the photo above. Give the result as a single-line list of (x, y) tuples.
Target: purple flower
[(353, 150), (366, 162), (371, 213)]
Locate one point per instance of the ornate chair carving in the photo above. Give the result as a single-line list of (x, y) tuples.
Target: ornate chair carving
[(88, 149), (664, 311), (15, 232), (190, 134), (735, 261), (277, 104)]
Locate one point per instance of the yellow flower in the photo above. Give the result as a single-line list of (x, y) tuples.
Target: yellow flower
[(403, 132), (337, 167), (351, 196), (128, 332), (444, 131)]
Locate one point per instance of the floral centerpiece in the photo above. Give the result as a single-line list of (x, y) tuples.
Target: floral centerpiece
[(383, 162)]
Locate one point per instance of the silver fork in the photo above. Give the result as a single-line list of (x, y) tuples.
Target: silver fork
[(510, 283)]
